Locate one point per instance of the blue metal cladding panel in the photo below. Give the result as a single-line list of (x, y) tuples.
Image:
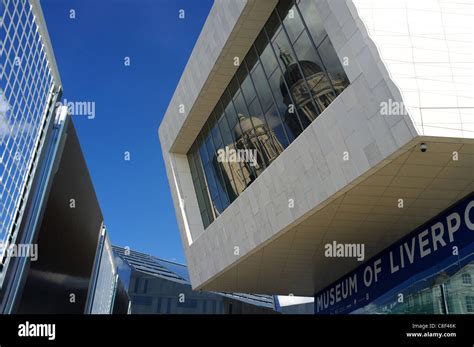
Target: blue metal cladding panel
[(26, 90), (175, 272), (151, 265), (179, 269)]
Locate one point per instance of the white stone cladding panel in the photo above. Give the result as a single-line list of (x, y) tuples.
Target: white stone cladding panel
[(311, 170), (427, 48), (219, 25)]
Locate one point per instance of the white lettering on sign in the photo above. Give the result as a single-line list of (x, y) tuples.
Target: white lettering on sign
[(424, 243)]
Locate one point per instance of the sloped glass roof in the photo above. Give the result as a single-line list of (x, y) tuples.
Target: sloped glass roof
[(178, 272)]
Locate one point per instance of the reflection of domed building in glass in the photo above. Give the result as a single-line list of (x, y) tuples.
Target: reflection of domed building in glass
[(321, 88), (251, 134)]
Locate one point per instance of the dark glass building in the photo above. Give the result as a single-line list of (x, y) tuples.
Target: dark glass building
[(158, 286)]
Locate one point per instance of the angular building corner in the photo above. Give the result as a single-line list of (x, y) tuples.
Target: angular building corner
[(361, 114)]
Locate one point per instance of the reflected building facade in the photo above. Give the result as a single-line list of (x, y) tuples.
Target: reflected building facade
[(449, 290), (252, 136), (309, 87), (288, 77)]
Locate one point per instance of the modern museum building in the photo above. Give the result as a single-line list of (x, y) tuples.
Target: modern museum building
[(325, 148)]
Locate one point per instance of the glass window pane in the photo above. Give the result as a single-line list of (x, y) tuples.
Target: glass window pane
[(236, 169), (225, 130), (269, 61), (322, 91), (201, 187), (283, 6), (284, 102), (206, 219), (275, 123), (227, 124), (305, 51), (292, 22), (261, 84), (273, 26), (265, 51), (254, 108), (245, 135), (216, 206), (313, 20), (231, 116), (295, 81), (282, 85), (239, 104), (203, 153), (219, 196), (274, 145), (192, 165), (202, 183), (333, 65), (199, 195), (233, 87), (251, 59), (261, 42), (225, 98), (248, 90), (209, 173), (197, 180), (224, 184), (216, 135)]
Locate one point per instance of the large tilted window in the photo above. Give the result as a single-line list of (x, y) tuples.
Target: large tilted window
[(289, 76)]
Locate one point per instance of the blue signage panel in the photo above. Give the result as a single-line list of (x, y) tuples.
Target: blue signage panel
[(442, 237)]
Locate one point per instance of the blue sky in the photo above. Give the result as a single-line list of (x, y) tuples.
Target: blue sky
[(129, 104)]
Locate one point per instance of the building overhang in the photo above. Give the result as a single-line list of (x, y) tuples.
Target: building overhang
[(398, 195), (260, 245)]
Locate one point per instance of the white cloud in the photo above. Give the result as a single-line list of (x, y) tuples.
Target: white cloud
[(4, 128), (294, 300), (7, 129), (4, 106), (4, 125), (21, 129)]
